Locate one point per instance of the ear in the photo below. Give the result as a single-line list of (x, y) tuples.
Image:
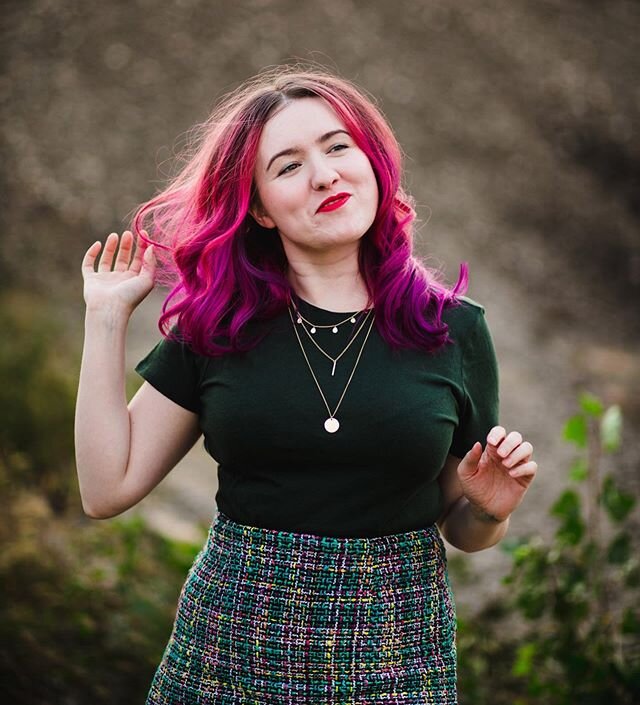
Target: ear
[(258, 214)]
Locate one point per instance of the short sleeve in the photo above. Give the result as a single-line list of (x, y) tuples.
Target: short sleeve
[(172, 368), (481, 404)]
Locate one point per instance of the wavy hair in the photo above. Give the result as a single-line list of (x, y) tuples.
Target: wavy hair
[(226, 270)]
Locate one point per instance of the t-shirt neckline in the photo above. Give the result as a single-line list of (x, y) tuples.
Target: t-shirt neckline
[(308, 309)]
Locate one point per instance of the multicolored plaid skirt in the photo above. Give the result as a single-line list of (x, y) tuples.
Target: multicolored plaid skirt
[(269, 617)]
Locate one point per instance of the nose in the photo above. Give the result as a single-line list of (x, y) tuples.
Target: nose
[(323, 175)]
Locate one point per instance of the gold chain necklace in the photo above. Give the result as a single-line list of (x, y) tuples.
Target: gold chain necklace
[(334, 326), (331, 425), (324, 352)]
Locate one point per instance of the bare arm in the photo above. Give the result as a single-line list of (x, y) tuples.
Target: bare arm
[(122, 452)]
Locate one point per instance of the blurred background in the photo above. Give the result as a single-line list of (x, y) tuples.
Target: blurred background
[(519, 121)]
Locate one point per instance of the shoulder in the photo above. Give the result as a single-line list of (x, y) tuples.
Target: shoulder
[(463, 316), (173, 349)]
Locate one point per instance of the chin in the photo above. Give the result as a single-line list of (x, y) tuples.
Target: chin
[(340, 240)]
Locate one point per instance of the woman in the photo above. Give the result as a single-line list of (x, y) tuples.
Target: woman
[(349, 398)]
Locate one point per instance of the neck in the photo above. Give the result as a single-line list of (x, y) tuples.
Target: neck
[(334, 286)]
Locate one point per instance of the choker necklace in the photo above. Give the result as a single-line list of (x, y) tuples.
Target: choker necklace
[(331, 425), (334, 326), (324, 352)]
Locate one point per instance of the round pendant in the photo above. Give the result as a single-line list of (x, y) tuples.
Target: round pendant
[(313, 330), (335, 329), (331, 425)]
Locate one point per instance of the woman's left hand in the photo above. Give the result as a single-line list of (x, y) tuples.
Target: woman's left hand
[(495, 479)]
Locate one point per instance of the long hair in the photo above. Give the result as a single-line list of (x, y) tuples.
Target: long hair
[(226, 271)]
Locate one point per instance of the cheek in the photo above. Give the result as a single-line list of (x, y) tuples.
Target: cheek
[(284, 200), (372, 187), (368, 176)]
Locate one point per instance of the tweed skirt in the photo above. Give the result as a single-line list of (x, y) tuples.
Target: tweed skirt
[(269, 617)]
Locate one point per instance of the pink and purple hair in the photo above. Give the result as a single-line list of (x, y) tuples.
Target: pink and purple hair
[(225, 270)]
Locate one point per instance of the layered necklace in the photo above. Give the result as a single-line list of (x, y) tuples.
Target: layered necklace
[(331, 424)]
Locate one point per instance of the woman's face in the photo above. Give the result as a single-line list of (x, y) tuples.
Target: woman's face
[(305, 156)]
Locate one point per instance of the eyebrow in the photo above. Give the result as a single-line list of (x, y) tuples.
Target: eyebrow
[(297, 150)]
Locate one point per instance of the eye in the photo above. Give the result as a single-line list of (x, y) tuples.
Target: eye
[(287, 169)]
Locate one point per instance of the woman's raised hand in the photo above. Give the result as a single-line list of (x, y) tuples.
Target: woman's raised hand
[(128, 283), (495, 479)]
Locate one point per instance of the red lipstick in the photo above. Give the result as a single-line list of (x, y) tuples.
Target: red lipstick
[(334, 202)]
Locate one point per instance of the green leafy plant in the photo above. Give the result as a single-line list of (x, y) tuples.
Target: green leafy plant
[(568, 630), (579, 592)]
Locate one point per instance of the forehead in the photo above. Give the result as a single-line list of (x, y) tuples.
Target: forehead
[(298, 123)]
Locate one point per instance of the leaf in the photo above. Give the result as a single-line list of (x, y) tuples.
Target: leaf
[(579, 470), (611, 428), (575, 430), (571, 531), (617, 503), (524, 660), (511, 544), (567, 504), (533, 603), (619, 550), (590, 404), (567, 508)]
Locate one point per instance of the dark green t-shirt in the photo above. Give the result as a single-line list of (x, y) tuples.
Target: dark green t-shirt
[(404, 411)]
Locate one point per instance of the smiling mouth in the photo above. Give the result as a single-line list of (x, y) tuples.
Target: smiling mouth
[(334, 203)]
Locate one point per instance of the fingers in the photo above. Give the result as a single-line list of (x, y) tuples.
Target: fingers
[(144, 253), (520, 453), (510, 447), (496, 434), (149, 260), (106, 258), (525, 470), (124, 260), (88, 261), (506, 444), (124, 252)]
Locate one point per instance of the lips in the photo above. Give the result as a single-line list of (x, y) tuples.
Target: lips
[(333, 202)]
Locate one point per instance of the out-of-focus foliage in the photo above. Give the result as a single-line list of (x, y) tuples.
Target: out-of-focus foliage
[(86, 607), (36, 401), (579, 594)]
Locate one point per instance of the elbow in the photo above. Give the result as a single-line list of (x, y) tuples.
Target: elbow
[(93, 512), (465, 542), (465, 546), (471, 548), (455, 541), (96, 511)]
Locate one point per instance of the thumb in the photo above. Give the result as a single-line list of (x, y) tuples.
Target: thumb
[(149, 258), (475, 452), (470, 460)]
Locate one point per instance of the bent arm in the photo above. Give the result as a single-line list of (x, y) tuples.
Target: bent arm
[(460, 523), (122, 452)]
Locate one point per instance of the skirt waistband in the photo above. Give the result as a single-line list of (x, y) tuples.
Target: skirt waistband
[(410, 542)]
